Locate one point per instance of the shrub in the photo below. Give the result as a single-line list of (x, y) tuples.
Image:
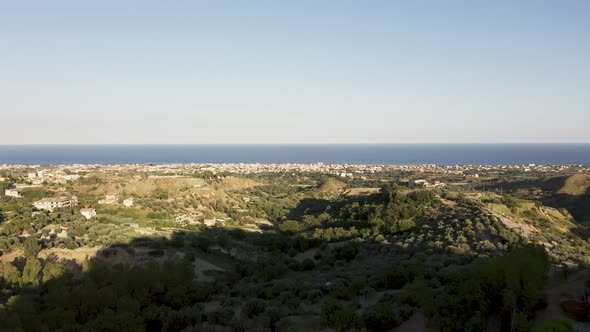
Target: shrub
[(387, 315), (289, 226), (253, 308), (342, 318), (156, 253)]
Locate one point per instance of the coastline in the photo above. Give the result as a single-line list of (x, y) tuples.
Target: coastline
[(353, 154)]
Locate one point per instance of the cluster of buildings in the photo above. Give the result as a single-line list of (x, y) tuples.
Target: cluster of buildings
[(426, 184), (55, 176), (52, 203)]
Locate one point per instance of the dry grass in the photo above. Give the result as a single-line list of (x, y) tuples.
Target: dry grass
[(331, 185), (362, 191), (576, 185), (80, 255)]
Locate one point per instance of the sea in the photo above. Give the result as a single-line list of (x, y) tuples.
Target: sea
[(369, 154)]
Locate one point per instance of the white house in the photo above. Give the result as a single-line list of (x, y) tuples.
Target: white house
[(13, 193), (128, 202), (88, 212)]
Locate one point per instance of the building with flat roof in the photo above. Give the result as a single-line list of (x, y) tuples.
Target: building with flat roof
[(52, 203)]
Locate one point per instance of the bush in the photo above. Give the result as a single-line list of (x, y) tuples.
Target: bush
[(156, 253), (392, 277), (220, 316), (307, 264), (387, 315), (289, 226), (342, 318), (253, 308), (347, 252)]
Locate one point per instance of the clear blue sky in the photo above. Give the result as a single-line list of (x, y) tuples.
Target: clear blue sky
[(294, 71)]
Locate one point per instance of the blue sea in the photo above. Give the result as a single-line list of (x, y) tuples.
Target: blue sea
[(381, 154)]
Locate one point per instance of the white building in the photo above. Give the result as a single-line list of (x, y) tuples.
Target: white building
[(70, 177), (88, 212), (128, 202), (110, 199), (52, 203), (13, 193), (438, 184), (210, 222)]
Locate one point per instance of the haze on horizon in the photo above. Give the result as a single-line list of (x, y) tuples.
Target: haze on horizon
[(198, 72)]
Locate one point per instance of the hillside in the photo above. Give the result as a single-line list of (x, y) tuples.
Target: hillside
[(279, 252), (576, 185)]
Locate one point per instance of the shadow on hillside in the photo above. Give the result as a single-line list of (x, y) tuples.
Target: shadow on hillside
[(308, 206), (316, 206), (552, 184), (166, 284), (148, 284), (578, 206), (186, 282)]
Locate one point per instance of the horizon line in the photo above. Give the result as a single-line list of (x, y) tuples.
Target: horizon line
[(262, 144)]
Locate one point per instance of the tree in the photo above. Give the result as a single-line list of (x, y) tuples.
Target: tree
[(52, 270), (31, 271), (9, 274), (289, 226), (31, 246)]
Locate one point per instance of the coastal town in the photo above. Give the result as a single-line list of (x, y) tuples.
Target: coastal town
[(37, 174)]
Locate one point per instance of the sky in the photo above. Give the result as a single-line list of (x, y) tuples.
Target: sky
[(307, 71)]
